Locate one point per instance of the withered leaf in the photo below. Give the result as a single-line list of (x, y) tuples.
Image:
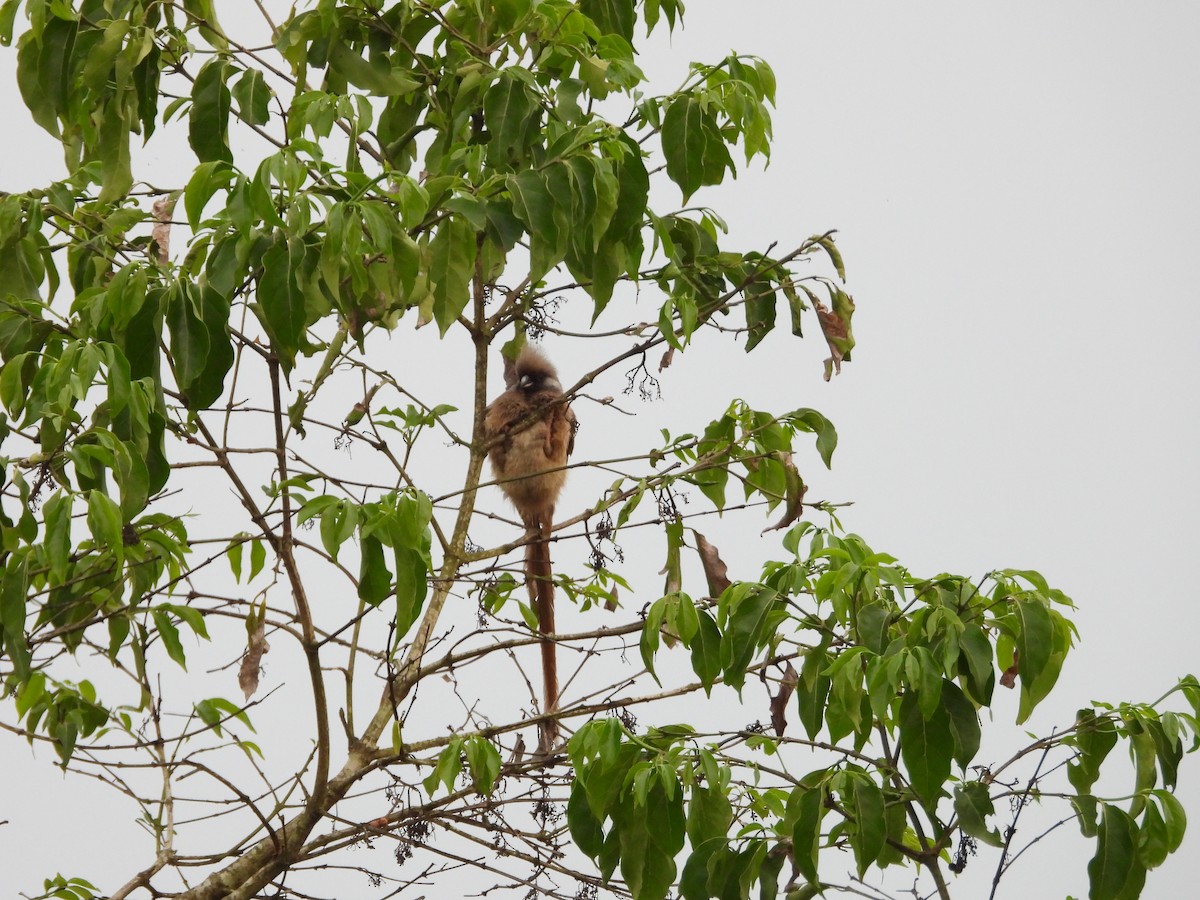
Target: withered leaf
[(715, 570), (613, 602), (779, 703), (796, 489), (1009, 678), (835, 325), (160, 235), (252, 660)]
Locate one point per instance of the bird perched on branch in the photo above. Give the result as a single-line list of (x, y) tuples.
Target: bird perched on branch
[(535, 431)]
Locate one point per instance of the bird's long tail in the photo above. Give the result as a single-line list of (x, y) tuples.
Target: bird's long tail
[(541, 594)]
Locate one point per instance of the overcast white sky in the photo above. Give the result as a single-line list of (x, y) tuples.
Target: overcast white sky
[(1018, 199)]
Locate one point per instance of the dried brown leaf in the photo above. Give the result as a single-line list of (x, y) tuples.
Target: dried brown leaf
[(779, 703), (715, 570), (796, 489), (835, 325), (160, 235), (1009, 678), (613, 602), (251, 665)]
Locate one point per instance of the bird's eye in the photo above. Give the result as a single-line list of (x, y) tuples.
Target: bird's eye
[(526, 382)]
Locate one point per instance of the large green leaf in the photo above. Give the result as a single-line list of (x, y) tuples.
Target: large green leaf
[(208, 121), (805, 808), (927, 748), (706, 650), (451, 266), (745, 610), (281, 306), (513, 116), (870, 823), (964, 723), (685, 142), (1115, 872), (189, 336), (972, 805), (650, 836)]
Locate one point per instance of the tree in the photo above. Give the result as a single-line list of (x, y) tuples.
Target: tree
[(227, 444)]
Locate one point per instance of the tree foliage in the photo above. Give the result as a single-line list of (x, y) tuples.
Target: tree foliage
[(223, 448)]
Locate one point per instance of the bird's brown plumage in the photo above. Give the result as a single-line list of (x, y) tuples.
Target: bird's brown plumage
[(534, 430)]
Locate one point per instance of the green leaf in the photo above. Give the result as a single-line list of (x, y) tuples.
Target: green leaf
[(709, 815), (234, 553), (8, 13), (870, 823), (104, 521), (193, 617), (648, 644), (975, 664), (483, 762), (1086, 809), (209, 383), (258, 558), (1034, 638), (685, 144), (13, 599), (170, 636), (280, 299), (805, 808), (964, 723), (252, 96), (448, 768), (57, 541), (835, 257), (116, 176), (44, 68), (1174, 818), (693, 881), (189, 337), (412, 585), (972, 805), (451, 266), (611, 16), (650, 836), (338, 523), (1094, 737), (1152, 849), (745, 608), (513, 115), (812, 692), (374, 579), (208, 121), (377, 77), (815, 423), (927, 748), (585, 828), (1115, 872), (535, 206), (760, 312), (706, 651)]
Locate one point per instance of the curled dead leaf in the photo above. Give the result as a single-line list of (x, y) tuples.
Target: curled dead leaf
[(835, 325), (613, 602), (1009, 678), (796, 489), (779, 703), (715, 570), (251, 665), (160, 235)]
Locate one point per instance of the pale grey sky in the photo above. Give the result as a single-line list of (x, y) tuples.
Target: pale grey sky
[(1018, 201)]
